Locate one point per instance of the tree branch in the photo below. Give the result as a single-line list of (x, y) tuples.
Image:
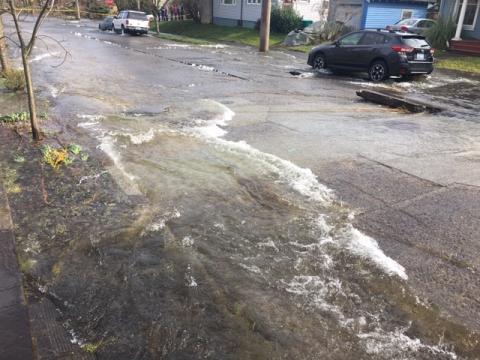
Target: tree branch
[(37, 25)]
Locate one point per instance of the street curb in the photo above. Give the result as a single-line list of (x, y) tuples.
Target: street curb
[(15, 336)]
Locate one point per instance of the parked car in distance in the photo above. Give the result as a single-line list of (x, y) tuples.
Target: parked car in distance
[(416, 26), (131, 22), (381, 53), (106, 24)]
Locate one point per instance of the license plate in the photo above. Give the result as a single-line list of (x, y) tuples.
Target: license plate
[(419, 56)]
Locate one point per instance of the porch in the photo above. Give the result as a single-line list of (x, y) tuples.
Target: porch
[(469, 47)]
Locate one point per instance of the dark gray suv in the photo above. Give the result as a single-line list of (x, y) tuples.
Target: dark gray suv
[(381, 53)]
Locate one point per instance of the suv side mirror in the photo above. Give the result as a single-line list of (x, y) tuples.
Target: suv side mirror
[(336, 43), (115, 17)]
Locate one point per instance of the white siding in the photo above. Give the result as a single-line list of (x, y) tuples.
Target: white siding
[(226, 11), (251, 12)]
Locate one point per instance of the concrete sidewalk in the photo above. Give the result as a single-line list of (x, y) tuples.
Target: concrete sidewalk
[(15, 338)]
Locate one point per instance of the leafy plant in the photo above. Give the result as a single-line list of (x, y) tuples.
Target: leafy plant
[(285, 19), (56, 157), (75, 149), (15, 117), (14, 79), (440, 34), (19, 158)]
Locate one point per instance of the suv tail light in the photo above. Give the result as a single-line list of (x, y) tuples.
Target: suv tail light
[(404, 28), (402, 49)]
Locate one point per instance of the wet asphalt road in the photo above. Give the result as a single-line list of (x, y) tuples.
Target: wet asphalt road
[(413, 180)]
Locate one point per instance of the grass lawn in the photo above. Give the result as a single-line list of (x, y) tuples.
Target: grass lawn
[(191, 32), (469, 64)]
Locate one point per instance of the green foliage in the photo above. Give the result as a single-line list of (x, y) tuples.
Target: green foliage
[(19, 158), (75, 149), (15, 117), (284, 19), (14, 79), (56, 157), (441, 33), (469, 64), (193, 32)]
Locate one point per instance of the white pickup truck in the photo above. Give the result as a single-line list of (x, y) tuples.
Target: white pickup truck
[(131, 22)]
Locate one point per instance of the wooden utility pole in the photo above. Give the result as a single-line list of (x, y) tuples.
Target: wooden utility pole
[(265, 25)]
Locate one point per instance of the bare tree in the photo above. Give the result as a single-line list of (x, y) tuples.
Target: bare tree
[(26, 46), (154, 7)]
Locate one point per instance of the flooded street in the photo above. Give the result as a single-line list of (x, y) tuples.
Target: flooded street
[(245, 207)]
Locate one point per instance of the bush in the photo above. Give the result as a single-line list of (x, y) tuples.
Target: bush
[(441, 33), (285, 19), (14, 79)]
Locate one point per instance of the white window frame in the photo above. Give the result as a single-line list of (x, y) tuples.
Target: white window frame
[(234, 2), (404, 11), (457, 9), (254, 2)]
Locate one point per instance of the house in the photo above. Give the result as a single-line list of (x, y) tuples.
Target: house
[(247, 12), (380, 13), (348, 12), (466, 16), (374, 14)]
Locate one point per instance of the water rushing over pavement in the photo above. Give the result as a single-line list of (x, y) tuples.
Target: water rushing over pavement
[(252, 248)]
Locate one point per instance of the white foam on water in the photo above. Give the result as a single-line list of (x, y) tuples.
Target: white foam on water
[(268, 244), (251, 268), (367, 247), (92, 119), (43, 56), (397, 345), (141, 138), (91, 177), (304, 181), (203, 67), (188, 241)]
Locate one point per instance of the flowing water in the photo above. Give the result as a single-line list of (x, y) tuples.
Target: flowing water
[(243, 254)]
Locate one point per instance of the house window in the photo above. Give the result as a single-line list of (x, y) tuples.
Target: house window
[(471, 13), (254, 2), (407, 14), (228, 2)]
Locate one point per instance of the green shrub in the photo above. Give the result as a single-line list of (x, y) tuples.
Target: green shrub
[(14, 79), (285, 19), (441, 33)]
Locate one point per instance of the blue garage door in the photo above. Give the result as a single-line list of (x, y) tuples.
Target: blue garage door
[(380, 15)]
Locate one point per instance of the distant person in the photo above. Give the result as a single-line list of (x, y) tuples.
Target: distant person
[(182, 12)]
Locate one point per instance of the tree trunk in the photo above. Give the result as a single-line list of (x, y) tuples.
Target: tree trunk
[(77, 5), (31, 97), (4, 62), (157, 26)]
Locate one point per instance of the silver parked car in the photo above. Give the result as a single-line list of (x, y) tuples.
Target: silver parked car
[(417, 26)]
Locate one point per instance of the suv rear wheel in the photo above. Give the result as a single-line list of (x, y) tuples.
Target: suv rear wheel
[(319, 62), (378, 71)]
